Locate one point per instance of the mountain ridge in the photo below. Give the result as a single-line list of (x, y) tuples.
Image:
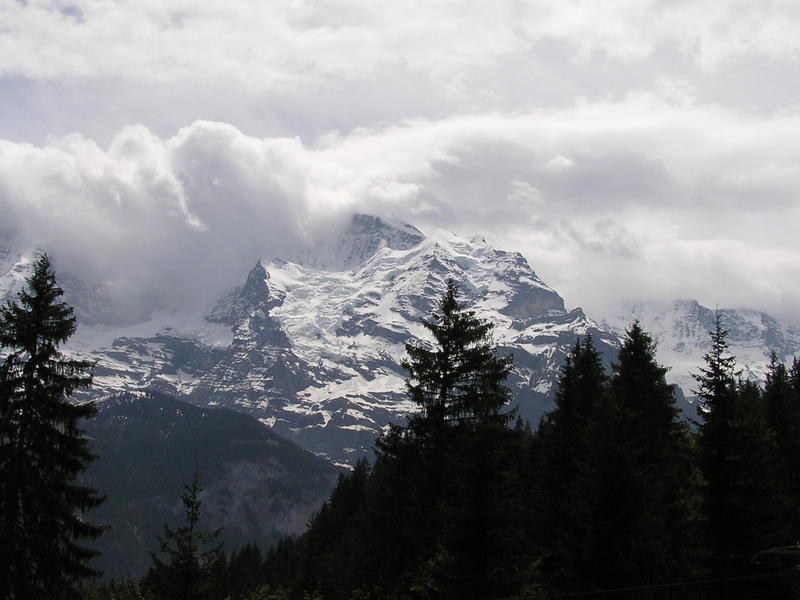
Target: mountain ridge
[(314, 352)]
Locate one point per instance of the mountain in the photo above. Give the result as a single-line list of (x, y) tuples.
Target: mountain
[(312, 347), (317, 354), (314, 350), (680, 328), (365, 235), (256, 485)]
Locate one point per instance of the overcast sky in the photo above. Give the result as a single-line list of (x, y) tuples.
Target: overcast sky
[(631, 150)]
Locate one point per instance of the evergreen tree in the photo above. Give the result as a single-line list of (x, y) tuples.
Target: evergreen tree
[(480, 545), (284, 564), (42, 449), (778, 399), (332, 542), (782, 399), (717, 391), (245, 571), (563, 451), (717, 386), (642, 477), (460, 386), (195, 562), (460, 380), (743, 507), (402, 522)]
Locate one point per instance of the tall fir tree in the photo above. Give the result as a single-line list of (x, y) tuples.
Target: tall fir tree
[(643, 482), (42, 449), (460, 380), (717, 391), (460, 386), (744, 507), (562, 458), (195, 562)]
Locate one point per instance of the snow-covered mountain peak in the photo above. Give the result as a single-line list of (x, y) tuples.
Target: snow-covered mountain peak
[(681, 331), (362, 238), (494, 280), (256, 280), (396, 232), (243, 302)]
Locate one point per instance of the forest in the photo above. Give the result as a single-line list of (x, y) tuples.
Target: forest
[(613, 494)]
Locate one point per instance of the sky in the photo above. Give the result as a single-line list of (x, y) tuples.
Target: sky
[(632, 151)]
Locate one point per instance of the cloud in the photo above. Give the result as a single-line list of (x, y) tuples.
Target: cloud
[(287, 44), (306, 68), (615, 200), (156, 222)]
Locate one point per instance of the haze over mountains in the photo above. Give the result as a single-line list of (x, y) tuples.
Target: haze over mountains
[(312, 346)]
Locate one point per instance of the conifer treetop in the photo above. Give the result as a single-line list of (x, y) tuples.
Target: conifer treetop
[(717, 380), (461, 378)]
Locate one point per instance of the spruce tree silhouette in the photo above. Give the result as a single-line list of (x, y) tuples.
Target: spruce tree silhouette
[(42, 449), (195, 561)]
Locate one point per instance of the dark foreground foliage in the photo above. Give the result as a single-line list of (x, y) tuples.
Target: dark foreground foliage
[(43, 521)]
